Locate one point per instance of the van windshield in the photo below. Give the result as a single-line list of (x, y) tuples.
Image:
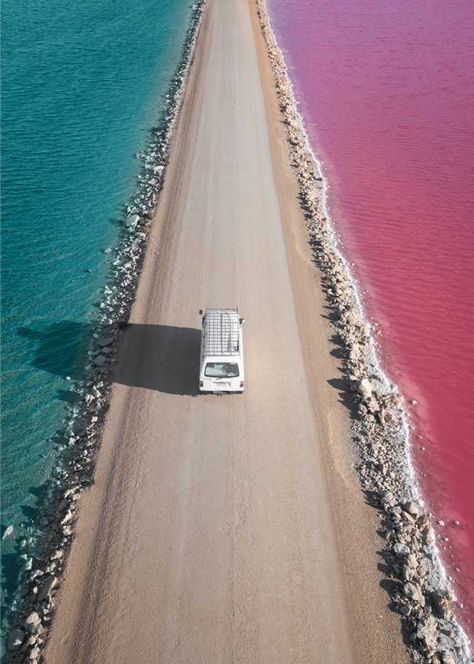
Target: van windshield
[(221, 370)]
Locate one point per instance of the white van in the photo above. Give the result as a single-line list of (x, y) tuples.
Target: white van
[(222, 352)]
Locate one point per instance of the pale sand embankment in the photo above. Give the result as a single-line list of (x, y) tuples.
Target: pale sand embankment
[(226, 529)]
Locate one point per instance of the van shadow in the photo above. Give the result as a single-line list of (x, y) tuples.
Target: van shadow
[(157, 357), (164, 358), (60, 347)]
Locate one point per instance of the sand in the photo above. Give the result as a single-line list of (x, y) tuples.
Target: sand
[(226, 529)]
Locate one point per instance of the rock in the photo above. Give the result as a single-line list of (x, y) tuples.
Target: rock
[(132, 222), (15, 639), (401, 550), (413, 592), (96, 391), (35, 654), (427, 633), (423, 522), (387, 499), (100, 360), (412, 508), (32, 621), (404, 609), (408, 573), (408, 518), (412, 561), (8, 532), (33, 640), (430, 537), (441, 604), (365, 388), (57, 555), (387, 416), (67, 517), (424, 567), (106, 341), (47, 587), (373, 405)]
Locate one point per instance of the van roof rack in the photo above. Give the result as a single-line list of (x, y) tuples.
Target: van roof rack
[(221, 328)]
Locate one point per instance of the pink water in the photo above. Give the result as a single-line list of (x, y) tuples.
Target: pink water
[(387, 92)]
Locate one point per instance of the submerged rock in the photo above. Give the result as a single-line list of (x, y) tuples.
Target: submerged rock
[(8, 532), (15, 639)]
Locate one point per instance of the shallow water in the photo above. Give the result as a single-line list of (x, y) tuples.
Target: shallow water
[(82, 85), (387, 92)]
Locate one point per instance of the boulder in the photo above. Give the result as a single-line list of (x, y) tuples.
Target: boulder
[(365, 388), (106, 341), (32, 621), (441, 604), (100, 360), (430, 537), (373, 405), (401, 550), (47, 587), (67, 517), (57, 555), (412, 508), (8, 532), (35, 654), (427, 633), (412, 561), (387, 499), (387, 416), (413, 592), (15, 639)]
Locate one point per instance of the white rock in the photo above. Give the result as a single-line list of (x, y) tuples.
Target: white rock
[(365, 387), (8, 532), (35, 654), (32, 621), (67, 518), (132, 221)]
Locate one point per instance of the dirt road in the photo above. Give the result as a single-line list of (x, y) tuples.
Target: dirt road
[(226, 529)]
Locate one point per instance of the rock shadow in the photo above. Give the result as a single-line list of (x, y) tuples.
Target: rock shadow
[(345, 396)]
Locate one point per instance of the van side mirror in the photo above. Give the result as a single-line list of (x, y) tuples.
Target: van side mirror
[(200, 312), (241, 321)]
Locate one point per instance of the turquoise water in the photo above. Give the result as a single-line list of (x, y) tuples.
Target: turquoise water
[(83, 83)]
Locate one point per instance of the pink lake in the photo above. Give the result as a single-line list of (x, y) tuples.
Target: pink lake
[(387, 93)]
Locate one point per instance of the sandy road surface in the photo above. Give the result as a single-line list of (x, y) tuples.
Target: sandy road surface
[(225, 529)]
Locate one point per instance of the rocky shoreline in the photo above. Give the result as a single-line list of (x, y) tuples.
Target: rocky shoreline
[(81, 434), (415, 578)]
